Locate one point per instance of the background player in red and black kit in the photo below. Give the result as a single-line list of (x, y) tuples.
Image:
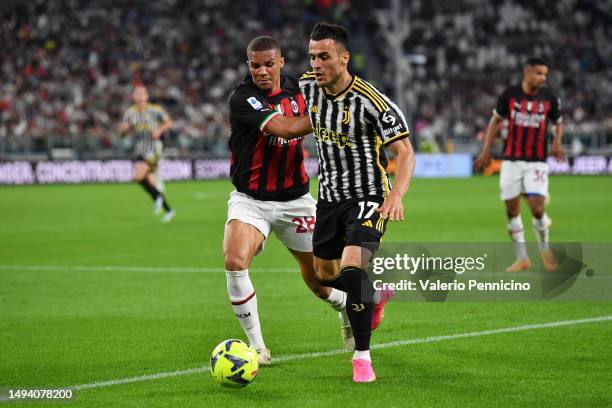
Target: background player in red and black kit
[(271, 186), (527, 107)]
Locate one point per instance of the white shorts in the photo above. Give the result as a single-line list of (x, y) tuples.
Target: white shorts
[(521, 177), (292, 221)]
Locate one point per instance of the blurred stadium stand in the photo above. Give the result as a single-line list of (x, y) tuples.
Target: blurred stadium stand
[(67, 66)]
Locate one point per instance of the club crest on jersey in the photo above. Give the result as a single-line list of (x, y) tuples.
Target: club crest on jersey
[(294, 107), (541, 107), (346, 116), (314, 109), (255, 103)]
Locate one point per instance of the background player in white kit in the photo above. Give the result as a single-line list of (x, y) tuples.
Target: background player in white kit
[(147, 122)]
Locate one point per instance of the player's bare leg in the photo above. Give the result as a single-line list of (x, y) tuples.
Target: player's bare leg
[(517, 234), (334, 297), (156, 180), (141, 170), (541, 225), (152, 178), (305, 262), (241, 242)]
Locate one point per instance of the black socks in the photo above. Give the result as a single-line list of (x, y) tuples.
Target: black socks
[(149, 188), (359, 302)]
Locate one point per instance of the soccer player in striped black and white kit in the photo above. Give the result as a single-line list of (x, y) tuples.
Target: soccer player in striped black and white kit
[(352, 121), (147, 122), (527, 107)]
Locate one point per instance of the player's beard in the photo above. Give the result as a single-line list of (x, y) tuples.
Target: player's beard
[(332, 81)]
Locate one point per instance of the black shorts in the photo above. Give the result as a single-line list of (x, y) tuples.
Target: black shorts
[(151, 160), (353, 222)]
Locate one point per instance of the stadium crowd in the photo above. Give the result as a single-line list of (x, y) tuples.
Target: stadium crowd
[(68, 66), (475, 48)]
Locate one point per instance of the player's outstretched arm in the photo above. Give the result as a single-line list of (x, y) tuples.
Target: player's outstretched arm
[(288, 128), (124, 127), (393, 208), (158, 131), (484, 158)]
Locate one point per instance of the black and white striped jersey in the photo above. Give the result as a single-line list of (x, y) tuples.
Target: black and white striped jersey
[(350, 128), (143, 122)]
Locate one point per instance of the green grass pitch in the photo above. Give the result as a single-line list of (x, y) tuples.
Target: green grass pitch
[(79, 306)]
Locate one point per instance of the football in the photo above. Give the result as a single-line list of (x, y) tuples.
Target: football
[(233, 363)]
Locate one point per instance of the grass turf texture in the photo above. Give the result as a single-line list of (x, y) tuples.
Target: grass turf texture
[(61, 326)]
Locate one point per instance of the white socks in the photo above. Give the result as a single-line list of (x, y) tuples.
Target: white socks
[(517, 233), (244, 302), (337, 300), (362, 355), (541, 228)]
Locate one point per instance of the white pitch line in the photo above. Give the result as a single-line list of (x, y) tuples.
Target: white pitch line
[(304, 356), (124, 268)]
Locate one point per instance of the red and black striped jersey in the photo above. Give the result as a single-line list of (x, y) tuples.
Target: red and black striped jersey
[(263, 166), (527, 116)]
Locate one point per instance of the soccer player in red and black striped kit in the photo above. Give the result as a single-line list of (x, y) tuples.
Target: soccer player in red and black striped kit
[(272, 187), (527, 107)]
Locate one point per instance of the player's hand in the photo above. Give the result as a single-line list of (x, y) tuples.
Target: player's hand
[(156, 133), (393, 208), (558, 152), (124, 127), (482, 161)]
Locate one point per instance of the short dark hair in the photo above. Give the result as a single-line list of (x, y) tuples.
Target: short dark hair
[(533, 61), (325, 31), (263, 43)]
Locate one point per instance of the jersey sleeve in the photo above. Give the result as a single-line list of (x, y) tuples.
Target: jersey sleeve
[(306, 78), (162, 115), (555, 109), (501, 109), (391, 124), (305, 84), (250, 109), (126, 115)]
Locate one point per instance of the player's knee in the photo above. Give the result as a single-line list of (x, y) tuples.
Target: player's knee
[(235, 261), (323, 271), (320, 291), (139, 176), (537, 211), (512, 212)]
